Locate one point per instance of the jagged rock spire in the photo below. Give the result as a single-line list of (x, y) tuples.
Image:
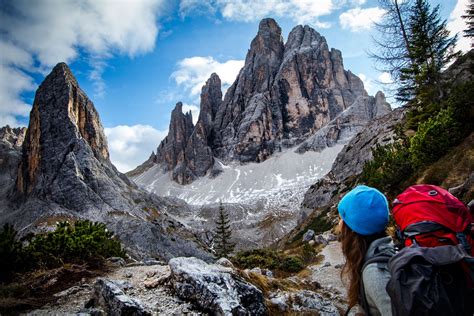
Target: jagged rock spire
[(284, 94), (61, 115)]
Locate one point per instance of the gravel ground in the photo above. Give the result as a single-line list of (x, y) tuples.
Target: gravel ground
[(328, 272), (159, 300)]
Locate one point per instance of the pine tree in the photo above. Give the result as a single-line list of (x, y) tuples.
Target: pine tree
[(413, 46), (431, 48), (223, 234)]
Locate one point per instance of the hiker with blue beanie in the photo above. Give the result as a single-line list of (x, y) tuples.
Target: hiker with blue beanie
[(364, 217)]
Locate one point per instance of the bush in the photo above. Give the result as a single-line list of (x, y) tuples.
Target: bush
[(81, 242), (292, 264), (308, 254), (391, 165), (434, 137), (12, 254), (263, 258), (268, 259)]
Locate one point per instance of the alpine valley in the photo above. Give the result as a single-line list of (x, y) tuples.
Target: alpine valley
[(277, 151), (277, 130)]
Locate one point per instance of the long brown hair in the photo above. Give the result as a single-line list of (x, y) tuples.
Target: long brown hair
[(354, 248)]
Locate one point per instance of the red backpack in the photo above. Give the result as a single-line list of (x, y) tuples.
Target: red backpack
[(430, 216), (434, 273)]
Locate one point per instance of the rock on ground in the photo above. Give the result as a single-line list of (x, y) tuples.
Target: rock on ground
[(132, 282), (108, 295), (215, 288)]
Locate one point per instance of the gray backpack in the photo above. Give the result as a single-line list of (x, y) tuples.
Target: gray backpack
[(427, 280)]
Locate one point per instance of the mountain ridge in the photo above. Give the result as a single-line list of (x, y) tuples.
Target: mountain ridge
[(284, 94)]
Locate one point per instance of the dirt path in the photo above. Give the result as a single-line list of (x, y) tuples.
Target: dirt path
[(328, 272)]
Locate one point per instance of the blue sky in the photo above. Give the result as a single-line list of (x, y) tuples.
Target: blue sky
[(136, 59)]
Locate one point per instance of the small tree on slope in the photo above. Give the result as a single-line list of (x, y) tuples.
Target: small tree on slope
[(223, 233)]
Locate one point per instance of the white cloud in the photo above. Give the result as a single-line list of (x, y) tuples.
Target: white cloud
[(358, 2), (358, 19), (130, 146), (195, 7), (456, 25), (12, 82), (192, 72), (385, 78), (194, 111), (46, 32), (368, 84), (300, 11)]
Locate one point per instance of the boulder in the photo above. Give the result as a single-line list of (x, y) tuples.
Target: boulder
[(319, 239), (225, 263), (303, 301), (116, 261), (329, 236), (108, 295), (308, 235), (214, 288)]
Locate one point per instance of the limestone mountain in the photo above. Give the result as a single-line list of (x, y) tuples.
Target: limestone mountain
[(286, 94), (64, 172), (277, 130)]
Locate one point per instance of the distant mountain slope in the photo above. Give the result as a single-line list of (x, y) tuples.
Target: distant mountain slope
[(286, 94), (65, 173), (454, 170)]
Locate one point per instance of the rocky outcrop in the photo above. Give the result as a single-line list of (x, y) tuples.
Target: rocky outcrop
[(12, 137), (108, 295), (350, 161), (185, 151), (171, 152), (303, 302), (11, 140), (65, 173), (285, 94), (214, 288), (348, 123)]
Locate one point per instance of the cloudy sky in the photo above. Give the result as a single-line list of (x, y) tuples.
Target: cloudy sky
[(137, 58)]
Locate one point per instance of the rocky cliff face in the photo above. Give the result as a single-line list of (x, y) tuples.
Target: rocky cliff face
[(12, 137), (352, 158), (185, 152), (64, 173), (63, 124), (286, 94), (11, 140)]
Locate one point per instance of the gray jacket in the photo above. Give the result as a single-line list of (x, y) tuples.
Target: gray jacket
[(375, 277)]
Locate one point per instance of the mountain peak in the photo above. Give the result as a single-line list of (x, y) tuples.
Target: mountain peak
[(60, 72), (269, 25), (62, 116)]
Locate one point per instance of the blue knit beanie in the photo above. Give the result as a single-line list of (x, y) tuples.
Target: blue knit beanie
[(364, 210)]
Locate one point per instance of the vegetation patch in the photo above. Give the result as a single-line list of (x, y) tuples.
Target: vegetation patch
[(439, 128), (82, 242), (269, 259)]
